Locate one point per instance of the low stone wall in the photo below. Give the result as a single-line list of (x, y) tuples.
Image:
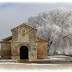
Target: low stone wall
[(47, 61), (8, 60)]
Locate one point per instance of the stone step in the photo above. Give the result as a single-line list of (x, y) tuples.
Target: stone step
[(47, 61), (5, 60)]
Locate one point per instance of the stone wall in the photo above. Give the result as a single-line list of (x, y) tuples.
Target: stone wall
[(15, 34), (6, 50), (42, 50), (24, 36), (15, 50)]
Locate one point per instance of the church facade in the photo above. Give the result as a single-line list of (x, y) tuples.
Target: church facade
[(24, 44)]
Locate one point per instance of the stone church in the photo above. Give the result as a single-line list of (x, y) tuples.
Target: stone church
[(24, 44)]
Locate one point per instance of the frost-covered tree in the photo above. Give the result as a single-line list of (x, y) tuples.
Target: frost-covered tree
[(56, 26)]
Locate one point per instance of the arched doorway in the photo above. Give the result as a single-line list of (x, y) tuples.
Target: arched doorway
[(24, 52)]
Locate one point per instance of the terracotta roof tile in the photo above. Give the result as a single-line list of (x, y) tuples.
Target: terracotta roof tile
[(41, 39), (7, 38), (26, 25)]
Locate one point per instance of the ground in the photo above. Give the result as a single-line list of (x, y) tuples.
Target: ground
[(34, 66), (59, 57)]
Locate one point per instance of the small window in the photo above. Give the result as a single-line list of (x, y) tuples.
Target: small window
[(34, 49)]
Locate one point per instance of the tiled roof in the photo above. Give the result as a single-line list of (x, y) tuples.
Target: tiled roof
[(25, 25), (41, 39), (10, 37), (6, 39)]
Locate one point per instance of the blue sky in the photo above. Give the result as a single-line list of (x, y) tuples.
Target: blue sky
[(14, 14)]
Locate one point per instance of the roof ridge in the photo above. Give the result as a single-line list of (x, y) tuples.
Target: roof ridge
[(26, 25), (42, 38), (6, 38)]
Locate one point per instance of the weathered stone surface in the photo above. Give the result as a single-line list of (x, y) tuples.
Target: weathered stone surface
[(24, 35), (42, 48), (6, 50), (15, 50)]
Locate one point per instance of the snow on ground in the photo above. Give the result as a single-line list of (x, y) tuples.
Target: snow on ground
[(58, 57)]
